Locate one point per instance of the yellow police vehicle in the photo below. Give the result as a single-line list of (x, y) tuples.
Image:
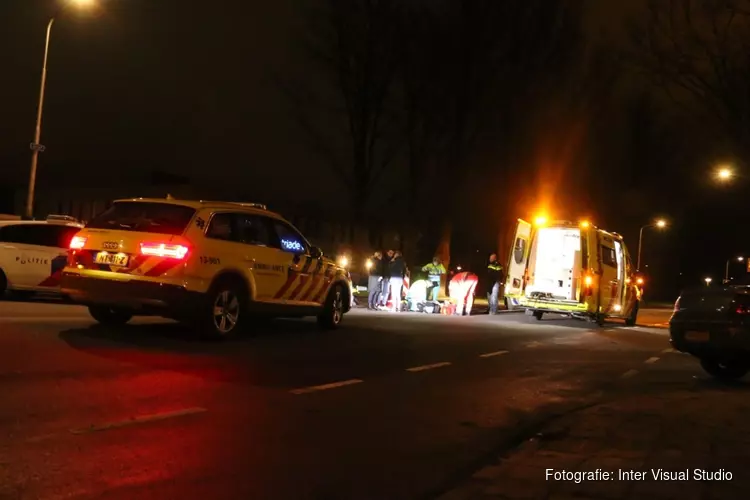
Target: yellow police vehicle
[(571, 268), (212, 264)]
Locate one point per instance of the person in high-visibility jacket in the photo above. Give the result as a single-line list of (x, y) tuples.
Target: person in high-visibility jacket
[(494, 282), (434, 270), (462, 288)]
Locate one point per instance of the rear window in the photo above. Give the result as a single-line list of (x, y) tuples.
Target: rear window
[(144, 217), (43, 235)]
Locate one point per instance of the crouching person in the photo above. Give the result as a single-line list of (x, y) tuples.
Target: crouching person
[(462, 288)]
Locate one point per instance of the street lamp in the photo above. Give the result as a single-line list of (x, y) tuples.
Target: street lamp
[(659, 223), (36, 146), (708, 281), (726, 270)]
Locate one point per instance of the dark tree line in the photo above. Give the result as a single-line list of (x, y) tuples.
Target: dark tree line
[(696, 52), (434, 99)]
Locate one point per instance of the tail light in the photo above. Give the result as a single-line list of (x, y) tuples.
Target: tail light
[(164, 250), (742, 309), (77, 242)]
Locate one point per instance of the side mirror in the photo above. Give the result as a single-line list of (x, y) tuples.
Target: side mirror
[(316, 252)]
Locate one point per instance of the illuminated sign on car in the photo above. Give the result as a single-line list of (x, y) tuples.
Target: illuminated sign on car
[(292, 245)]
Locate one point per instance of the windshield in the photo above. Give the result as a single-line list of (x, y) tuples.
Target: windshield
[(144, 217)]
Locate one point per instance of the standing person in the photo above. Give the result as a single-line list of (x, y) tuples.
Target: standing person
[(374, 280), (434, 270), (397, 269), (462, 288), (494, 282), (385, 284)]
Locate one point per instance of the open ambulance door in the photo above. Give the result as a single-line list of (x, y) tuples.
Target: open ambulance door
[(518, 259), (612, 278)]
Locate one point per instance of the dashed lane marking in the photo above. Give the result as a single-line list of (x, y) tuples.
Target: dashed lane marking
[(491, 354), (533, 344), (670, 351), (651, 360), (428, 367), (138, 420), (325, 387), (629, 374)]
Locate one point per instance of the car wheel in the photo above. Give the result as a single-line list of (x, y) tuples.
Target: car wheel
[(333, 310), (109, 315), (631, 320), (538, 315), (725, 370), (227, 301)]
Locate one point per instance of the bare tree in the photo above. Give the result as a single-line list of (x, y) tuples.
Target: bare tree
[(696, 51), (353, 42)]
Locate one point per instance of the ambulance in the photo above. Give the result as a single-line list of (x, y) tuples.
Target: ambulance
[(571, 268)]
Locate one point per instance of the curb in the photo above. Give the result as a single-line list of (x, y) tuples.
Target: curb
[(460, 486)]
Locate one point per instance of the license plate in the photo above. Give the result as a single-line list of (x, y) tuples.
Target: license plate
[(697, 336), (112, 259)]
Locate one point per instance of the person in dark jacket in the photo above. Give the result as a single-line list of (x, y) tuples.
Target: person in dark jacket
[(494, 282), (385, 283), (374, 281), (397, 269)]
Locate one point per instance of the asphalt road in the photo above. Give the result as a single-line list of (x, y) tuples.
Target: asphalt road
[(389, 406)]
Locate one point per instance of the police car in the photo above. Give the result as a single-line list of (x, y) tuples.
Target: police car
[(33, 253), (212, 264)]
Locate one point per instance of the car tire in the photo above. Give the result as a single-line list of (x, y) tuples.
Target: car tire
[(725, 370), (226, 309), (110, 316), (333, 311), (538, 315), (631, 320)]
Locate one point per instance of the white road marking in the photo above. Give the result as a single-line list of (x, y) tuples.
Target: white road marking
[(325, 387), (138, 420), (533, 344), (491, 354), (669, 351), (651, 360), (428, 367), (629, 374)]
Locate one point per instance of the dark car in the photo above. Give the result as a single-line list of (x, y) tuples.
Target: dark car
[(713, 324)]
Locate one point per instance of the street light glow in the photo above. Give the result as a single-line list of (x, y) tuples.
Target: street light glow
[(708, 281), (368, 264), (585, 224), (740, 259), (343, 261), (724, 174), (661, 223)]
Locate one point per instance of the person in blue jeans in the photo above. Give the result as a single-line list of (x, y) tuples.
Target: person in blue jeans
[(494, 282), (374, 284), (434, 270)]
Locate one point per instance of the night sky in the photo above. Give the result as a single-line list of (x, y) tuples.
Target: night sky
[(191, 88)]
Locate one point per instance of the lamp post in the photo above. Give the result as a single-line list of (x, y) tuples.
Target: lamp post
[(726, 269), (36, 146), (661, 224), (708, 281)]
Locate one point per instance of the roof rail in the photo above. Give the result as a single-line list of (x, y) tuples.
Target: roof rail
[(61, 218), (253, 205)]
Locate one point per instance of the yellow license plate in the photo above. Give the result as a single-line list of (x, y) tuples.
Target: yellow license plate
[(112, 259), (697, 336)]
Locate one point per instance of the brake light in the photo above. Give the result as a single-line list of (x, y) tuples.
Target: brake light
[(77, 242), (588, 280), (163, 250)]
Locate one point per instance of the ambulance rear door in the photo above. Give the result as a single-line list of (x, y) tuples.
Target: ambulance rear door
[(518, 259)]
